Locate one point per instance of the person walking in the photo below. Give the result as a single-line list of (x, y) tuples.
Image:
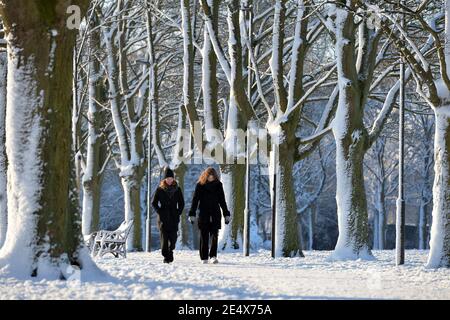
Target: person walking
[(210, 198), (168, 202)]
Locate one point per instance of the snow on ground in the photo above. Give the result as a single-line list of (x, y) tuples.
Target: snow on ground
[(144, 276)]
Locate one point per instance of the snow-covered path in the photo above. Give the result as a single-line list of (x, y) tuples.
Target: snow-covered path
[(144, 276)]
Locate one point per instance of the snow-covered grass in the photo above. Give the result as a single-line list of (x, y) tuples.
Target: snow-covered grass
[(144, 276)]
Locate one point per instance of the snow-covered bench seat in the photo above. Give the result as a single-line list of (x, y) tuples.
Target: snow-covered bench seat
[(114, 242)]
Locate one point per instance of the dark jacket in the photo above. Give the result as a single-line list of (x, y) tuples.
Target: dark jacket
[(168, 202), (210, 198)]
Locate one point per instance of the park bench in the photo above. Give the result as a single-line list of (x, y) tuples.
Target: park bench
[(114, 242)]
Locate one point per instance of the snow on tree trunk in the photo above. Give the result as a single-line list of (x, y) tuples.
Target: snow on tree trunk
[(127, 113), (209, 76), (44, 237), (287, 239), (283, 129), (351, 139), (350, 196), (131, 185), (440, 229), (179, 150), (3, 159), (233, 179), (92, 178), (426, 196), (239, 113)]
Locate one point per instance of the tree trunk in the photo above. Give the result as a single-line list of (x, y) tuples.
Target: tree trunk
[(422, 225), (287, 238), (44, 236), (132, 198), (91, 206), (233, 178), (128, 124), (379, 226), (440, 230), (352, 139), (209, 76), (353, 241), (3, 159), (239, 112), (92, 175), (425, 200)]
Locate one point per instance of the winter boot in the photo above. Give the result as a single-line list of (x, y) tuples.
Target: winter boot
[(214, 260)]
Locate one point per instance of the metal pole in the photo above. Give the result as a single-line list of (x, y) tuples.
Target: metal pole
[(400, 217), (247, 8), (148, 222), (247, 198), (274, 198)]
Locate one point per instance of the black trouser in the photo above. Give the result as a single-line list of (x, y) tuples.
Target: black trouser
[(168, 242), (205, 235)]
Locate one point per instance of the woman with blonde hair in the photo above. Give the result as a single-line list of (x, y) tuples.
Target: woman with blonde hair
[(168, 202), (210, 197)]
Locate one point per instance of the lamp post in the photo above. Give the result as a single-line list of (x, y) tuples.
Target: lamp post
[(148, 221), (274, 195), (247, 9), (151, 101), (247, 197), (400, 214)]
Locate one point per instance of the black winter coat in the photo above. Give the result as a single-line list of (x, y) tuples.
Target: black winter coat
[(169, 204), (211, 198)]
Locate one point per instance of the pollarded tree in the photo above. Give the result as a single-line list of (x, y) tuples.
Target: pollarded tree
[(96, 157), (44, 236), (126, 99), (358, 53), (284, 118), (289, 110), (239, 113)]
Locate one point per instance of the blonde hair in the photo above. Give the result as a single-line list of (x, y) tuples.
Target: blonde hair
[(163, 184)]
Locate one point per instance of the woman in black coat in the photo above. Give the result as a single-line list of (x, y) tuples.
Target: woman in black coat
[(210, 197), (168, 202)]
